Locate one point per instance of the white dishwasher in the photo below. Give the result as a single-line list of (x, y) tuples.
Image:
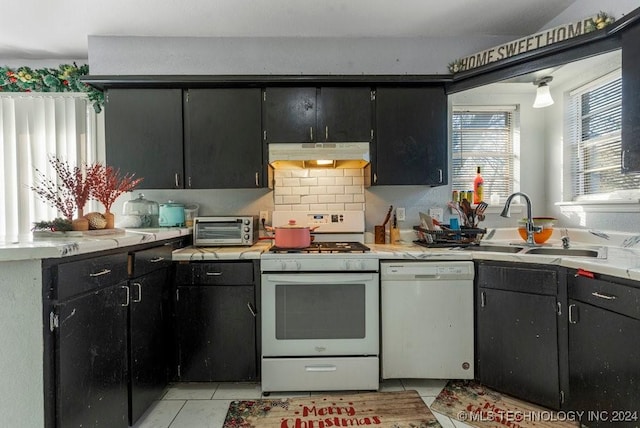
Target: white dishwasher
[(427, 319)]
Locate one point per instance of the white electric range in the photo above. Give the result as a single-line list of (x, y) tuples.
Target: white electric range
[(320, 308)]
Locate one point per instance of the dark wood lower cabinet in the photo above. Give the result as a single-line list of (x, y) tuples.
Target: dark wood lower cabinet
[(517, 345), (149, 344), (91, 363), (216, 333), (604, 351), (519, 331)]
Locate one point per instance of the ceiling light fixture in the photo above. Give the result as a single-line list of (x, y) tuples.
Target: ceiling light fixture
[(543, 95)]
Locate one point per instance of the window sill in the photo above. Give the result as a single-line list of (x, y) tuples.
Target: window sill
[(601, 206)]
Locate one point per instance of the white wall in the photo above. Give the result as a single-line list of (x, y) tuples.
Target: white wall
[(267, 55), (21, 370), (584, 8)]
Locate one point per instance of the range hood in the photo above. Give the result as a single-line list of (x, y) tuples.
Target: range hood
[(312, 155)]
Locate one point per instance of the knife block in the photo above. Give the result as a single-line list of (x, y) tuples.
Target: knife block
[(378, 234)]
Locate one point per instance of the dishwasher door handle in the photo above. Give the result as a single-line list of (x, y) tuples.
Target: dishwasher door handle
[(431, 277)]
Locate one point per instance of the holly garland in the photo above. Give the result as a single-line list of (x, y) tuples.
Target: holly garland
[(65, 78)]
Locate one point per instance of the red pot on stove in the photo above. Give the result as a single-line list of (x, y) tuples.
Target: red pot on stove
[(293, 235)]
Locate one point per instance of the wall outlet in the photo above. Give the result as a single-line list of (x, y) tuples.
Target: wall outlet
[(400, 214), (436, 213), (264, 215)]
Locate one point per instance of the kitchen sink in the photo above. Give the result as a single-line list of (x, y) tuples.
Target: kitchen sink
[(580, 252), (494, 248), (599, 252)]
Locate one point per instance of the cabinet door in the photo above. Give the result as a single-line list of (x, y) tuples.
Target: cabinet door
[(344, 114), (631, 99), (517, 345), (223, 143), (149, 341), (90, 356), (411, 136), (604, 363), (143, 131), (216, 333), (290, 115)]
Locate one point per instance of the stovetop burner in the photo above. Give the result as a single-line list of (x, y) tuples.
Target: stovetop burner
[(325, 247)]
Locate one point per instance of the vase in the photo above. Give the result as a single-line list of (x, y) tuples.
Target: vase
[(80, 223), (111, 218)]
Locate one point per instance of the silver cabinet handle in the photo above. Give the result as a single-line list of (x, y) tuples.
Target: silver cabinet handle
[(251, 309), (559, 308), (214, 273), (257, 182), (311, 132), (440, 171), (139, 286), (603, 296), (102, 272), (156, 259), (126, 303), (375, 177), (483, 299), (326, 133), (572, 320), (177, 180)]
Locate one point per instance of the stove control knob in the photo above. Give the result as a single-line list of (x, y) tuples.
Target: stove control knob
[(247, 222), (246, 237), (246, 229)]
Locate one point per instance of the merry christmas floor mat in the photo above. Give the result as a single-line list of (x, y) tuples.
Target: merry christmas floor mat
[(479, 406), (401, 409)]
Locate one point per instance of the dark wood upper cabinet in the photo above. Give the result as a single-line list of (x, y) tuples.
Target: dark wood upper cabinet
[(223, 129), (289, 115), (143, 131), (344, 114), (411, 136), (324, 114), (631, 100)]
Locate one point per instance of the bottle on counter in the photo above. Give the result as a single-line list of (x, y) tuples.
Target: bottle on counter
[(478, 188)]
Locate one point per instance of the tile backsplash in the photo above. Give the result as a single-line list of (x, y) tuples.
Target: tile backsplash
[(340, 189)]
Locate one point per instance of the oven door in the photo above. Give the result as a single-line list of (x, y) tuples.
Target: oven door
[(320, 314)]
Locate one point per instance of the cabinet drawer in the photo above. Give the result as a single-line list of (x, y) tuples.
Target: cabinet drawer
[(532, 279), (146, 261), (217, 273), (84, 275), (620, 298)]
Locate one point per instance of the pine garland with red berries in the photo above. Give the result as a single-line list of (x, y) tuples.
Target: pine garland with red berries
[(65, 78)]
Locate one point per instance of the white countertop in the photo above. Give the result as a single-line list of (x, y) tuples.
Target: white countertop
[(55, 247), (623, 252), (623, 249)]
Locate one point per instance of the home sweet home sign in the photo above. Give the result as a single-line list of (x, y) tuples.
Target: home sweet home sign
[(530, 43)]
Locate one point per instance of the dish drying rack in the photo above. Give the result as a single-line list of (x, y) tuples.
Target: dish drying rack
[(446, 237)]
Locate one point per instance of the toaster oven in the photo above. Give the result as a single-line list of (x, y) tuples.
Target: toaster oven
[(221, 231)]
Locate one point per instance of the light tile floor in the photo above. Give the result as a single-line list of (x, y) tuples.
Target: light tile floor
[(204, 405)]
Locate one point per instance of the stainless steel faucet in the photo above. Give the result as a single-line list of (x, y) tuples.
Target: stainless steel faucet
[(530, 227)]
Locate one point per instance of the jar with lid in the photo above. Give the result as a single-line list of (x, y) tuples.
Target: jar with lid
[(145, 210)]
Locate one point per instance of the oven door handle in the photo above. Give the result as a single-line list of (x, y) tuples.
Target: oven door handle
[(324, 278)]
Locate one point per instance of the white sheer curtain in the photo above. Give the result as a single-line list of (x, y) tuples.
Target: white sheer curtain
[(32, 128)]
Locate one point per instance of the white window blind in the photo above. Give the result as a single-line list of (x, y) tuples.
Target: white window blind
[(594, 118), (32, 128), (484, 137)]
